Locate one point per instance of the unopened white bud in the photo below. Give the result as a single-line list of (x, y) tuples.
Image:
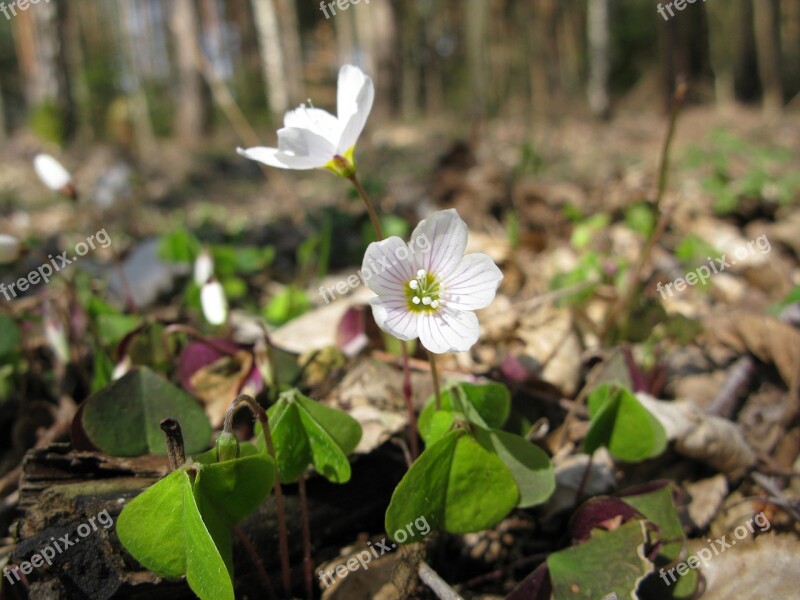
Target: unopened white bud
[(214, 302)]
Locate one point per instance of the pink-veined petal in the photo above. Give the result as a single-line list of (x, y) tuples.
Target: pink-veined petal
[(275, 158), (448, 330), (392, 315), (473, 284), (388, 265), (317, 120), (353, 124), (438, 242)]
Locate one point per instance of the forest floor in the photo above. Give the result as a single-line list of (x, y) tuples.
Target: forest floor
[(563, 207)]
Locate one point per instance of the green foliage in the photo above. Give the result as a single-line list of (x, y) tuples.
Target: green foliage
[(10, 336), (448, 483), (180, 526), (124, 418), (623, 425), (736, 170), (47, 122), (289, 303), (305, 433), (640, 218), (609, 562)]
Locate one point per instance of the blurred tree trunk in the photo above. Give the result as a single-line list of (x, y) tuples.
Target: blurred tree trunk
[(409, 60), (273, 60), (476, 15), (765, 20), (598, 33), (39, 37), (723, 39), (790, 42), (3, 130), (192, 111), (76, 65), (292, 48), (377, 40)]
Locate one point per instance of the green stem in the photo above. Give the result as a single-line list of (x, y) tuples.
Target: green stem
[(373, 216)]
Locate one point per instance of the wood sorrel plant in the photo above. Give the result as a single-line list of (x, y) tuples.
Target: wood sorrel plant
[(180, 526)]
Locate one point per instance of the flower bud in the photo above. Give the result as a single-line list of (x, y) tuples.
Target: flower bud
[(203, 268), (214, 302), (227, 446), (54, 175)]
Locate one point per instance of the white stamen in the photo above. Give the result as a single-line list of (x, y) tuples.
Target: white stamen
[(415, 300), (413, 284), (426, 300), (421, 273), (435, 304)]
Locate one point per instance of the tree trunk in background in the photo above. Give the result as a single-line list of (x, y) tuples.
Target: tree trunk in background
[(410, 64), (74, 58), (476, 15), (790, 44), (3, 130), (723, 22), (39, 36), (765, 14), (599, 38), (292, 48), (272, 57), (191, 113), (377, 42)]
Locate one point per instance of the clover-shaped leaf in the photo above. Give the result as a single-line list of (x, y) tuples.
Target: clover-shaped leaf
[(486, 404), (181, 524), (163, 530), (457, 484), (306, 432), (623, 425), (123, 419)]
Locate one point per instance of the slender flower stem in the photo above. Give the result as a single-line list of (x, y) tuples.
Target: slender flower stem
[(435, 375), (408, 392), (256, 560), (280, 505), (373, 216), (307, 570), (175, 450)]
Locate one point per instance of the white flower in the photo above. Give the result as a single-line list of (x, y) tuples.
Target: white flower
[(214, 302), (54, 175), (203, 267), (10, 249), (314, 139), (431, 290)]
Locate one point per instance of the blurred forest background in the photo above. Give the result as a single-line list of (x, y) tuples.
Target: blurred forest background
[(137, 71)]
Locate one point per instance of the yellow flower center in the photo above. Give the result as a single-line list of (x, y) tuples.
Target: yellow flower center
[(425, 293)]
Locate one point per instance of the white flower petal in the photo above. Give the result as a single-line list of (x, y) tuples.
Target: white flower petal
[(448, 330), (473, 284), (392, 315), (350, 85), (203, 267), (274, 158), (354, 124), (302, 143), (51, 172), (214, 303), (317, 120), (388, 266), (439, 242), (10, 249)]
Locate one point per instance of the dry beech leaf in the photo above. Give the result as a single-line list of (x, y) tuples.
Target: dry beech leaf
[(766, 568), (219, 383), (766, 338), (707, 438), (707, 496)]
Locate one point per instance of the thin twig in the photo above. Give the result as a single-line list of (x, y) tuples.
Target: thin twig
[(175, 449), (437, 585)]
